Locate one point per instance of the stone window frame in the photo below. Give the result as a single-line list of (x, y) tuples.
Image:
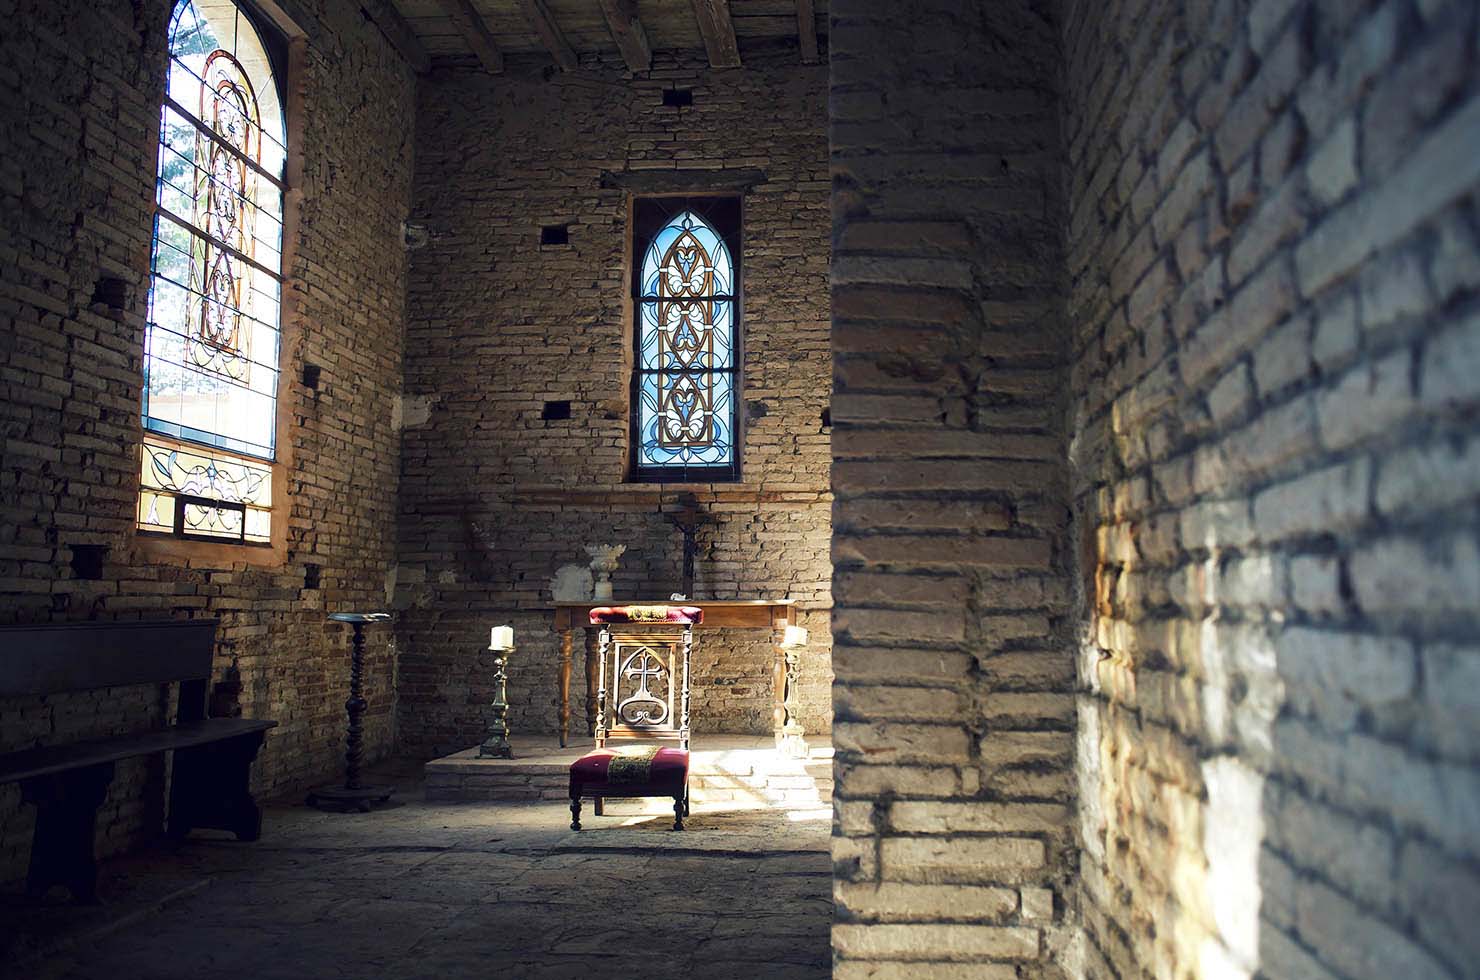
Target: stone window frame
[(734, 238), (174, 550)]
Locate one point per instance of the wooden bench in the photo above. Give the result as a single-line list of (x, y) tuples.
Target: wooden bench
[(68, 782)]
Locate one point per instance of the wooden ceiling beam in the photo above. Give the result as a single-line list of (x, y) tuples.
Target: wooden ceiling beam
[(627, 31), (718, 32), (398, 32), (470, 25), (807, 31), (543, 22)]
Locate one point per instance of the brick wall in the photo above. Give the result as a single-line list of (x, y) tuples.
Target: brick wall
[(1272, 247), (80, 87), (953, 700), (494, 497)]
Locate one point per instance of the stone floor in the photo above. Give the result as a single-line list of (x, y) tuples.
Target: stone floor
[(452, 890)]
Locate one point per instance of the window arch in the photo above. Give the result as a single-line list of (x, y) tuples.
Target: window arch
[(686, 377), (212, 341)]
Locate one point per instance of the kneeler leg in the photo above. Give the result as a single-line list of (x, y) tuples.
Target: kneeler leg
[(575, 813), (678, 811)]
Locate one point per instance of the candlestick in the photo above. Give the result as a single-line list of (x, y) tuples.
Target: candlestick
[(496, 746)]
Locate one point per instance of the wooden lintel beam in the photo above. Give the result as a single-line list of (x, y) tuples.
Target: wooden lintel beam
[(627, 31), (470, 25), (398, 32), (718, 32), (543, 22), (807, 31)]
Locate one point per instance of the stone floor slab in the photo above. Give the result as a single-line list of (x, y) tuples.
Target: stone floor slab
[(451, 890)]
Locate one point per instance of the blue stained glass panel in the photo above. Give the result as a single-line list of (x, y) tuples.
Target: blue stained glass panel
[(668, 423), (663, 277), (686, 357)]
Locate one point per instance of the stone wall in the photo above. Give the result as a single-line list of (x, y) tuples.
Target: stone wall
[(1272, 247), (954, 706), (495, 497), (80, 89)]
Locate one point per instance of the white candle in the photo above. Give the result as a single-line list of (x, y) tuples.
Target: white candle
[(795, 636), (501, 638)]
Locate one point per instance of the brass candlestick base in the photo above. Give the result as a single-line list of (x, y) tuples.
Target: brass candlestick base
[(497, 746)]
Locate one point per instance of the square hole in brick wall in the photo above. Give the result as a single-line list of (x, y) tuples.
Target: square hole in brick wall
[(555, 235), (87, 561), (678, 96), (311, 373), (555, 411)]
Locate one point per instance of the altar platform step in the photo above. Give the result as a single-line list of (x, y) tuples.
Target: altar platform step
[(727, 772)]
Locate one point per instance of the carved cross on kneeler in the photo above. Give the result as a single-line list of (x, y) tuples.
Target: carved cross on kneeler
[(688, 520)]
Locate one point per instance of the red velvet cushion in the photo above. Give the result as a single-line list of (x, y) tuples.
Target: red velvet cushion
[(666, 773), (658, 615)]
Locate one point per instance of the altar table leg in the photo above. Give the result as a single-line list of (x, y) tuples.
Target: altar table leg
[(790, 740), (566, 641), (778, 689)]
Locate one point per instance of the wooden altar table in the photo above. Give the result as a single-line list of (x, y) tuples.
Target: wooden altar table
[(772, 614)]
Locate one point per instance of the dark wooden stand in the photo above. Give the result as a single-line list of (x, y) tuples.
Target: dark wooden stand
[(352, 795)]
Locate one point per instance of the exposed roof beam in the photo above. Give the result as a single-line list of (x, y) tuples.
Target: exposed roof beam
[(398, 32), (807, 31), (543, 22), (627, 31), (470, 24), (718, 31)]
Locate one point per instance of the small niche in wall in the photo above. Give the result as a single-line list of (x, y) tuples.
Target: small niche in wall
[(827, 418), (678, 96), (555, 235), (311, 373), (555, 411), (311, 576), (112, 292), (87, 561)]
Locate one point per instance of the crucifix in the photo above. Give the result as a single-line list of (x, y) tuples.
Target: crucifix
[(688, 520)]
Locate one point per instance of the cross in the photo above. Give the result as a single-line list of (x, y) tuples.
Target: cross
[(688, 520), (641, 667)]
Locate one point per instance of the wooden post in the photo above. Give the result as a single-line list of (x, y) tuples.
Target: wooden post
[(600, 727), (778, 686), (592, 698), (566, 641)]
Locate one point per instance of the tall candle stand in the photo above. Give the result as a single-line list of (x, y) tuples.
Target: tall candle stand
[(497, 746), (352, 794)]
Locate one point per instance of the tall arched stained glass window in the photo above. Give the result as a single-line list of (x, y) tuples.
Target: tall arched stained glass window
[(686, 378), (212, 341)]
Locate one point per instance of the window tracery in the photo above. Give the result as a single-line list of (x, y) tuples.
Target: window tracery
[(685, 382), (212, 340)]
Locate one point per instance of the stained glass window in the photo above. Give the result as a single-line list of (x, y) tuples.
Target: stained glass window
[(687, 360), (212, 341)]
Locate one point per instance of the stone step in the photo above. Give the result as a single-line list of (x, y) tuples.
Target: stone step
[(736, 778)]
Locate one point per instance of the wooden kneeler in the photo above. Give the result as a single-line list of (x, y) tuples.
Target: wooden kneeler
[(642, 694)]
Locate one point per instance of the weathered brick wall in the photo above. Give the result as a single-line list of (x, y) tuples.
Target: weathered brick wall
[(1272, 247), (80, 87), (954, 704), (495, 498)]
